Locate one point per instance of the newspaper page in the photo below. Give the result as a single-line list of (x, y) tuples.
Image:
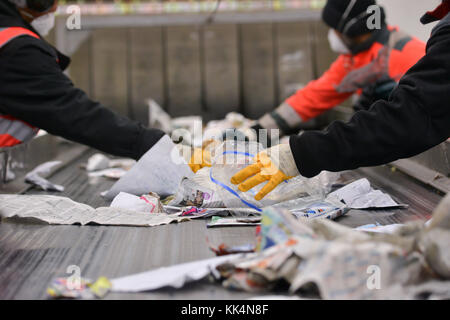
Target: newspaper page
[(64, 211)]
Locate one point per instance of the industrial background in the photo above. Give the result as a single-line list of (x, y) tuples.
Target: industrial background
[(193, 58), (209, 58), (247, 57)]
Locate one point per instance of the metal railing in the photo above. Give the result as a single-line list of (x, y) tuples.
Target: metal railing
[(170, 7)]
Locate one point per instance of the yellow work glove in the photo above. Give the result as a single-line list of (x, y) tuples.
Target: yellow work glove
[(200, 158), (275, 165), (197, 158)]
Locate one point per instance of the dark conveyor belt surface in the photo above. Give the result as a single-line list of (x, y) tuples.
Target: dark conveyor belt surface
[(31, 255)]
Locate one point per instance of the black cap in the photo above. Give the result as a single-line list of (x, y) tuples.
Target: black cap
[(40, 5), (350, 16), (437, 14)]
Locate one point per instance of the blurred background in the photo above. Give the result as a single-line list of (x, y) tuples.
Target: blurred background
[(205, 57)]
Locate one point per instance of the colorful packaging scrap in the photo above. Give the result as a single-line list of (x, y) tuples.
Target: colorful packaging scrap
[(277, 226), (197, 213), (78, 288), (148, 203), (70, 288), (261, 272), (193, 211), (321, 210), (320, 258), (194, 192), (100, 287), (234, 222)]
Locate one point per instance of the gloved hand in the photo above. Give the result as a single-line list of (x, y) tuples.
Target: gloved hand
[(283, 118), (282, 121), (381, 90), (200, 158), (275, 165)]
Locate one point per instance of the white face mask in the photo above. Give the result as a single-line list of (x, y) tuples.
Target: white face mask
[(336, 43), (44, 23)]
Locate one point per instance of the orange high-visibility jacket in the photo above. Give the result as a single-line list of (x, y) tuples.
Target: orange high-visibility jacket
[(321, 95), (14, 131)]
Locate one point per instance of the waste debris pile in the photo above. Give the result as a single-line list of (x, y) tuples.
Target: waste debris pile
[(161, 188), (320, 259), (299, 249), (326, 260)]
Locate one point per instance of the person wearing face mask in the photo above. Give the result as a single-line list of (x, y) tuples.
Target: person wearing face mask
[(36, 94), (415, 118), (370, 64)]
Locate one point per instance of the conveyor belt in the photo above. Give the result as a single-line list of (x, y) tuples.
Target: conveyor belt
[(31, 255)]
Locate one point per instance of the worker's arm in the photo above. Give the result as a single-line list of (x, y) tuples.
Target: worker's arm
[(317, 97), (402, 60), (39, 93), (416, 118)]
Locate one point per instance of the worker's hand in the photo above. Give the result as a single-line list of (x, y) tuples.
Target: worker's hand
[(275, 165), (200, 158)]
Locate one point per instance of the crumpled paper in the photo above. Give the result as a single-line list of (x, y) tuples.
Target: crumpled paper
[(97, 161), (148, 203), (434, 241), (360, 195), (64, 211), (331, 261), (159, 170), (34, 178)]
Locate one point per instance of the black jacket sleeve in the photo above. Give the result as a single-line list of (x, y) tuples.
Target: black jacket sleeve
[(416, 118), (34, 89)]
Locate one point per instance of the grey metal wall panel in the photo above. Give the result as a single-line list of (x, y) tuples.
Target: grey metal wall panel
[(323, 54), (81, 67), (258, 69), (221, 70), (295, 69), (208, 70), (183, 71), (323, 57), (109, 64), (146, 71)]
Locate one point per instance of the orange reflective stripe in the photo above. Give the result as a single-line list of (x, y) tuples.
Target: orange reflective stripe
[(7, 140), (9, 34), (7, 117)]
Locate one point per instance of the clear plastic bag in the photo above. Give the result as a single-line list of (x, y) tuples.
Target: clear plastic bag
[(198, 191), (232, 156)]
